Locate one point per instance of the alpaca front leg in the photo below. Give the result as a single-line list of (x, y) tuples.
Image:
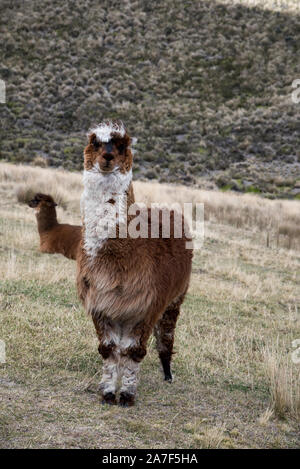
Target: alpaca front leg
[(109, 380), (109, 337), (129, 371), (133, 348)]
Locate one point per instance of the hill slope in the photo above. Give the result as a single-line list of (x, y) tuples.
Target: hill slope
[(205, 86)]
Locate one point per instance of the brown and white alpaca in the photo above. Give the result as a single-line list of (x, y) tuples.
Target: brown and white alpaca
[(130, 286), (54, 237)]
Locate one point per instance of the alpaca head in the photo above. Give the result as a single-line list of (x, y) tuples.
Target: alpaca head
[(108, 149), (42, 202)]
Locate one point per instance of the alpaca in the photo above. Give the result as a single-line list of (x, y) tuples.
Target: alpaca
[(131, 286), (54, 237)]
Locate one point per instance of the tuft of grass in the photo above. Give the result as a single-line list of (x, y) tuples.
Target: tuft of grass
[(40, 161), (284, 379), (210, 438), (266, 416), (25, 192)]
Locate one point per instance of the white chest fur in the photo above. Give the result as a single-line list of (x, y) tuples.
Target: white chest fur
[(100, 215)]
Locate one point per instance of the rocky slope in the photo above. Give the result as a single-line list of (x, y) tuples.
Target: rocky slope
[(204, 86)]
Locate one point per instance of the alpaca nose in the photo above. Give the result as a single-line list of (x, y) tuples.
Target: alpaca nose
[(108, 156)]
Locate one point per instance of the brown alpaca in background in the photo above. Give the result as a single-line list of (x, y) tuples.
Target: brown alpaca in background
[(54, 237), (130, 286)]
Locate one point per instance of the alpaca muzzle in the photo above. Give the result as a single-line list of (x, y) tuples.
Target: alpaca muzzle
[(108, 157)]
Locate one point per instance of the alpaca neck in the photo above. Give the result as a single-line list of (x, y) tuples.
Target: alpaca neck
[(104, 205), (46, 220)]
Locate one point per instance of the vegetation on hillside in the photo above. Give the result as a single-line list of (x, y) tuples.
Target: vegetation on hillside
[(204, 86)]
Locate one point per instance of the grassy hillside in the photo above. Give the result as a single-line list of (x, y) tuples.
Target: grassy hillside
[(204, 86), (234, 338)]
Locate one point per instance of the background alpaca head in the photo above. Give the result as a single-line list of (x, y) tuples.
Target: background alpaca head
[(108, 149), (42, 201)]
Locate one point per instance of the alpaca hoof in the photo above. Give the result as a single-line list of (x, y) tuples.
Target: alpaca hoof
[(169, 378), (126, 399), (109, 398)]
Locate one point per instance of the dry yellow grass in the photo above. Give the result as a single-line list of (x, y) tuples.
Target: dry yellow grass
[(284, 384), (235, 383), (277, 220)]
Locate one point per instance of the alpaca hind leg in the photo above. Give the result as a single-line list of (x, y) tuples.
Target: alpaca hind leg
[(164, 332)]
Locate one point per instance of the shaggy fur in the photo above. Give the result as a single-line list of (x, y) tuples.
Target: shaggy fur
[(101, 196), (55, 237), (106, 129), (128, 285)]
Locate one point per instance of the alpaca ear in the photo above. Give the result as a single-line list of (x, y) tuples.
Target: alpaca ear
[(51, 203), (92, 138), (126, 141)]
